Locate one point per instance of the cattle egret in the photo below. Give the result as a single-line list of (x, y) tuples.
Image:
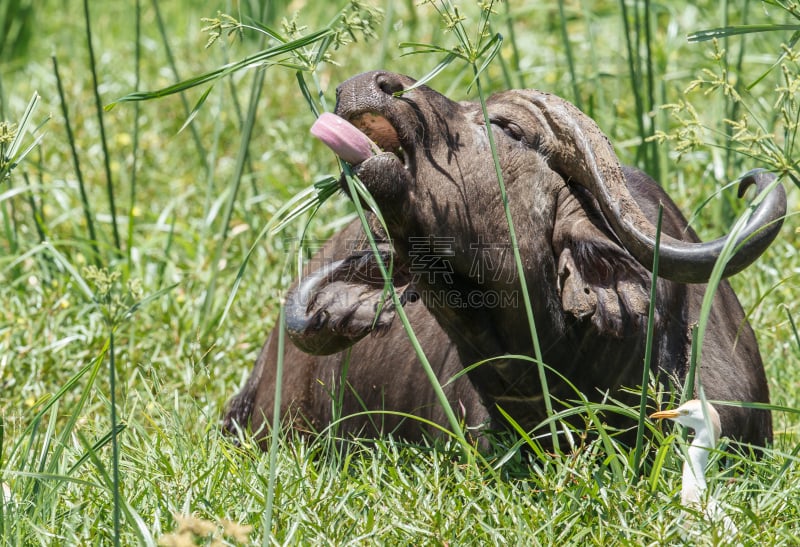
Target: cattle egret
[(704, 421)]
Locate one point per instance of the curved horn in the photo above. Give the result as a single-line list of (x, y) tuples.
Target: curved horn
[(578, 149), (336, 306), (305, 325)]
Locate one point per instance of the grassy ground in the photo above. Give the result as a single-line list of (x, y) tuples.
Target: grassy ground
[(182, 323)]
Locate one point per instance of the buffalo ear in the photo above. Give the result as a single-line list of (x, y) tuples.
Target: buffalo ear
[(577, 296), (599, 281)]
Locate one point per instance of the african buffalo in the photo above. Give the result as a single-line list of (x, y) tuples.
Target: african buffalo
[(585, 236)]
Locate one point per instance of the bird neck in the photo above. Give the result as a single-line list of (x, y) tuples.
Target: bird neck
[(694, 468)]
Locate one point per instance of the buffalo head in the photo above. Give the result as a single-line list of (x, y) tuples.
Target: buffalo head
[(585, 237), (437, 176)]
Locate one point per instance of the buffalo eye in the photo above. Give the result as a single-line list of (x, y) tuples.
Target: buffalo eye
[(528, 139), (511, 129), (514, 131)]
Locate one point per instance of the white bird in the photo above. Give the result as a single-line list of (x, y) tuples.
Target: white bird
[(704, 420)]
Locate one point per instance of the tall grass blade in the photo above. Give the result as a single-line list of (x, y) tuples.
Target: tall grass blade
[(196, 109), (355, 188), (537, 350), (98, 445), (691, 374), (634, 68), (732, 159), (652, 164), (488, 54), (87, 210), (758, 406), (565, 41), (727, 252), (252, 61), (276, 431), (18, 24), (658, 463), (22, 129), (112, 381), (137, 71), (40, 464), (524, 435), (309, 199), (435, 71), (738, 30), (312, 104), (386, 31), (198, 142), (516, 63), (241, 162), (36, 212), (75, 411), (790, 46), (2, 477), (9, 223), (794, 326), (62, 261), (140, 528), (648, 347), (103, 141)]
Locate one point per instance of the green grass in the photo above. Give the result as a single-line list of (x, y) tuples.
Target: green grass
[(190, 214)]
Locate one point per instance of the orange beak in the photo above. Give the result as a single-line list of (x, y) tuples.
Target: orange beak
[(665, 414)]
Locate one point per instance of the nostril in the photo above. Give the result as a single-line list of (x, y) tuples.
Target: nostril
[(388, 84)]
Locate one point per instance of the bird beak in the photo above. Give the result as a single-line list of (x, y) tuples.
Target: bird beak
[(665, 414)]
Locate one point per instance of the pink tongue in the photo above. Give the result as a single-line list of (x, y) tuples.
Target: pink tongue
[(344, 138)]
